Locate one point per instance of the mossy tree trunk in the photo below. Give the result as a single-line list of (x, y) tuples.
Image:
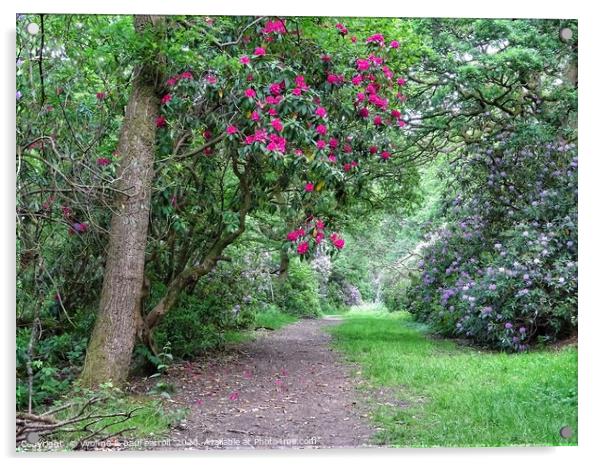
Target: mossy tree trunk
[(112, 341)]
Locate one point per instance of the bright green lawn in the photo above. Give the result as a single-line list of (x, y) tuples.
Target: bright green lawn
[(460, 396)]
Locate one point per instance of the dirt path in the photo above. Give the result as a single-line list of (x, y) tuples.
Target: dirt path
[(287, 388)]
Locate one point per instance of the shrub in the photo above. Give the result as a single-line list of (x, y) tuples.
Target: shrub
[(298, 293), (503, 271)]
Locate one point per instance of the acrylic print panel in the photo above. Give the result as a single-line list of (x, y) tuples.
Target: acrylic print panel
[(295, 232)]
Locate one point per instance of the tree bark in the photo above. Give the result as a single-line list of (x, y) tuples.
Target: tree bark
[(110, 348), (284, 262)]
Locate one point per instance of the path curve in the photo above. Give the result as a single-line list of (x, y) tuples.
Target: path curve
[(286, 388)]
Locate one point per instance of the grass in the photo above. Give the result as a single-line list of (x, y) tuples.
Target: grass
[(459, 396), (273, 319), (150, 421)]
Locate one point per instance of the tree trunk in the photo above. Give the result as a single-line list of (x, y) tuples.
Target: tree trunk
[(110, 348), (284, 263)]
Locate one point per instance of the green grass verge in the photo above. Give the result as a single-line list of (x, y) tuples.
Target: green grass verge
[(459, 396), (273, 319)]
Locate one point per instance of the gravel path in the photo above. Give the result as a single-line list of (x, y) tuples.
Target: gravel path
[(286, 388)]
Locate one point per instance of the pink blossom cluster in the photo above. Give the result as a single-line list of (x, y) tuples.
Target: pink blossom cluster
[(377, 39), (274, 27), (173, 80)]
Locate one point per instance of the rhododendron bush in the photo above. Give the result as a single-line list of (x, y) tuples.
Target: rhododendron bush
[(317, 130), (502, 270)]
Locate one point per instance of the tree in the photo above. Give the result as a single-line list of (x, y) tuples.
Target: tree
[(285, 131), (113, 338)]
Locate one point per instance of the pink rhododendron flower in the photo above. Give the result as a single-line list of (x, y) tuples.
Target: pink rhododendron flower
[(186, 75), (297, 91), (337, 241), (376, 39), (298, 152), (320, 144), (333, 143), (172, 81), (321, 129), (321, 112), (373, 149), (401, 123), (376, 60), (319, 237), (395, 113), (342, 29), (245, 60), (385, 155), (356, 80), (255, 116), (231, 129), (259, 52), (378, 120), (347, 167), (296, 234), (332, 158), (335, 79), (250, 92), (274, 27), (360, 96), (309, 187), (273, 100), (319, 224), (277, 125), (276, 144), (101, 95), (276, 88), (394, 44), (347, 149), (166, 99), (211, 79), (103, 161), (401, 81), (160, 121), (353, 39), (325, 58), (303, 247), (387, 72), (300, 82), (364, 113), (362, 65)]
